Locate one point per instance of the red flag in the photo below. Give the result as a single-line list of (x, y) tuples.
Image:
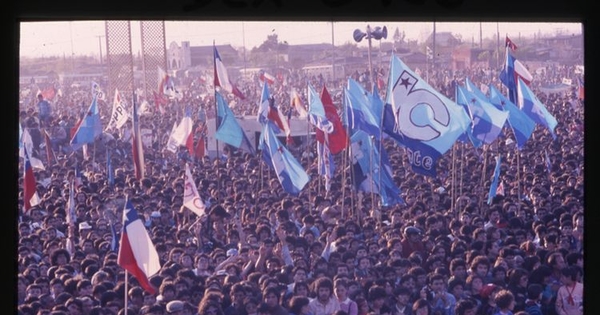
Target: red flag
[(49, 93), (509, 43), (338, 139), (264, 76), (137, 253), (50, 156), (30, 195), (189, 143), (73, 130), (201, 146)]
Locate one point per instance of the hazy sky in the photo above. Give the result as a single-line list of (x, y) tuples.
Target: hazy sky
[(87, 37)]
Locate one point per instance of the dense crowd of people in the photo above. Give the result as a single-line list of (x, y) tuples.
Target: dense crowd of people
[(261, 251)]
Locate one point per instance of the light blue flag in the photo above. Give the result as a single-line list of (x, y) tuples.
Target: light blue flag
[(316, 111), (360, 115), (422, 113), (290, 172), (263, 106), (377, 105), (471, 87), (494, 185), (228, 129), (368, 173), (20, 136), (533, 108), (90, 127), (468, 135), (520, 123), (488, 121)]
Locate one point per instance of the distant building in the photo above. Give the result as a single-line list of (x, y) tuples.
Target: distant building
[(564, 48), (464, 57), (444, 46), (186, 56)]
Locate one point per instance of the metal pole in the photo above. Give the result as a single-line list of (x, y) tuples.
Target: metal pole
[(244, 42), (370, 64), (333, 77), (498, 48)]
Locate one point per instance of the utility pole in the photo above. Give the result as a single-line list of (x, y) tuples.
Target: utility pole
[(332, 53), (480, 36), (100, 46)]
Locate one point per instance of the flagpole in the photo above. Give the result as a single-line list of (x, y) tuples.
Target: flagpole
[(453, 176), (126, 290), (462, 163), (518, 176), (94, 155), (307, 148), (483, 171), (371, 159)]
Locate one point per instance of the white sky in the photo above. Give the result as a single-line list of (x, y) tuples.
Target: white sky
[(87, 37)]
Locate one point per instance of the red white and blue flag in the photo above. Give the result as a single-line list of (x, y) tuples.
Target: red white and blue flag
[(222, 78), (30, 195), (509, 43), (137, 253), (266, 77)]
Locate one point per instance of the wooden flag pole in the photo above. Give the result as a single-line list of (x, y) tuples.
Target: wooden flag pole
[(453, 179)]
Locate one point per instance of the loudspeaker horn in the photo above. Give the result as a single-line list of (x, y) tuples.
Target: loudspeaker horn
[(359, 35), (379, 33)]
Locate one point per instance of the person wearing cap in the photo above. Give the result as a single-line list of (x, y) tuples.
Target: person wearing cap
[(412, 241), (488, 293), (175, 307)]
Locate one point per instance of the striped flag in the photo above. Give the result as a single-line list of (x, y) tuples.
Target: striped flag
[(30, 195), (221, 78), (296, 103), (509, 43), (137, 253)]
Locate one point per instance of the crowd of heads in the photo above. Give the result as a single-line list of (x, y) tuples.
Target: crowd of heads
[(261, 251)]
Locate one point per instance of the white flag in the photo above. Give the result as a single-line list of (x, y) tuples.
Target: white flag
[(119, 114), (27, 142), (183, 130), (191, 197), (97, 91), (172, 145)]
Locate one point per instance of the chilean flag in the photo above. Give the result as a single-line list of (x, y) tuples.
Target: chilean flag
[(137, 254), (200, 151), (338, 139), (509, 43), (222, 78), (30, 195), (264, 76)]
